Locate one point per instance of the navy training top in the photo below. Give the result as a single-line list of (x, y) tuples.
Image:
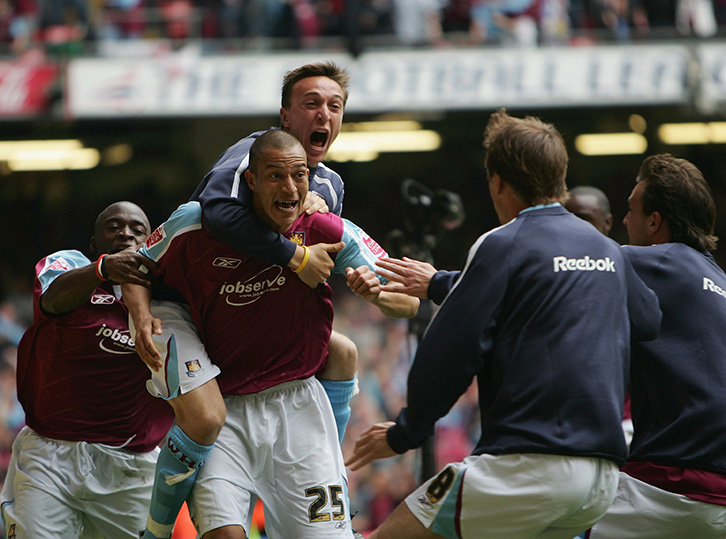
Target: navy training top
[(541, 315)]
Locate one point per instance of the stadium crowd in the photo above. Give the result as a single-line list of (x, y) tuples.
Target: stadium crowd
[(73, 27)]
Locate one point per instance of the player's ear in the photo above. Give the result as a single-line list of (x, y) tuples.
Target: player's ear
[(93, 246), (608, 223), (251, 180), (284, 118)]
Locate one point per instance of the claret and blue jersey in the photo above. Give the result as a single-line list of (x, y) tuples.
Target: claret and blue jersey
[(228, 291)]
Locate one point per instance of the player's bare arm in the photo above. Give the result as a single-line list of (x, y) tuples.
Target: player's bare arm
[(74, 287), (364, 282), (316, 269), (372, 445), (406, 275), (138, 301)]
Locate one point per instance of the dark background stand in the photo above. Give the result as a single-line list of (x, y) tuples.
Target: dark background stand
[(428, 216)]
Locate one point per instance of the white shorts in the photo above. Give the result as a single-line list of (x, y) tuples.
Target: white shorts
[(279, 445), (643, 511), (72, 490), (515, 496), (186, 363)]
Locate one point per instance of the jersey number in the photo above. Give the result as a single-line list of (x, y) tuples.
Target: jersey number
[(439, 486), (315, 511)]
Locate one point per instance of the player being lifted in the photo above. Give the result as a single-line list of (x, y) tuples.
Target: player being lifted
[(313, 102), (279, 441)]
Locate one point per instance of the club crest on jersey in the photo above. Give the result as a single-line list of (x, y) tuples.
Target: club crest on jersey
[(156, 236), (224, 262), (102, 299), (194, 368), (298, 237)]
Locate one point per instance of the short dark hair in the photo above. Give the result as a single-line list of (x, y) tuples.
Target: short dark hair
[(320, 69), (274, 138), (529, 154), (600, 196), (677, 190)]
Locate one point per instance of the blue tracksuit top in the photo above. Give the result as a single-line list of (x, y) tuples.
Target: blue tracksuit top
[(226, 203), (542, 316), (678, 381)]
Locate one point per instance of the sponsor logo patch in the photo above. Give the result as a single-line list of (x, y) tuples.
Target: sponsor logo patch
[(242, 293), (224, 262), (156, 236), (562, 263), (709, 285), (115, 341), (59, 265), (102, 299), (373, 246)]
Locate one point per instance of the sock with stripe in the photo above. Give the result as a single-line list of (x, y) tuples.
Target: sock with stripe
[(176, 471)]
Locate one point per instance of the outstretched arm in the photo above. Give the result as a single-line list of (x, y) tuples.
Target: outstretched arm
[(73, 287), (406, 275), (365, 283)]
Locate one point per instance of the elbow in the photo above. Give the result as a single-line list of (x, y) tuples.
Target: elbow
[(413, 308), (649, 330), (409, 309)]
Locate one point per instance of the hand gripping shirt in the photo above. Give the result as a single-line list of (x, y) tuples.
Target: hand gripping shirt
[(226, 201), (260, 324), (540, 315), (79, 378), (678, 381)]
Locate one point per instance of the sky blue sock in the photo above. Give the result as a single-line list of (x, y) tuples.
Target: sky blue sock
[(339, 393), (178, 463)]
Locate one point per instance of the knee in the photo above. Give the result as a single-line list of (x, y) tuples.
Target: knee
[(342, 358), (201, 413)]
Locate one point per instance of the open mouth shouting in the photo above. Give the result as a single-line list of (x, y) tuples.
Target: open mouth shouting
[(319, 139), (286, 205)]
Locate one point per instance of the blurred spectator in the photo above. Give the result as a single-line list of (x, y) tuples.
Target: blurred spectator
[(122, 19), (63, 26), (418, 22), (554, 21), (18, 21), (503, 21), (620, 17), (232, 18), (178, 18), (696, 17)]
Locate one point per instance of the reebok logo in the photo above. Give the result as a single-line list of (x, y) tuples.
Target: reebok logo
[(562, 263), (709, 285)]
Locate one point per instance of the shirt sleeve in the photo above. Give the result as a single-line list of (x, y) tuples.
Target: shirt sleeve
[(360, 249), (643, 305), (59, 263), (440, 284), (453, 348), (232, 221), (185, 218)]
